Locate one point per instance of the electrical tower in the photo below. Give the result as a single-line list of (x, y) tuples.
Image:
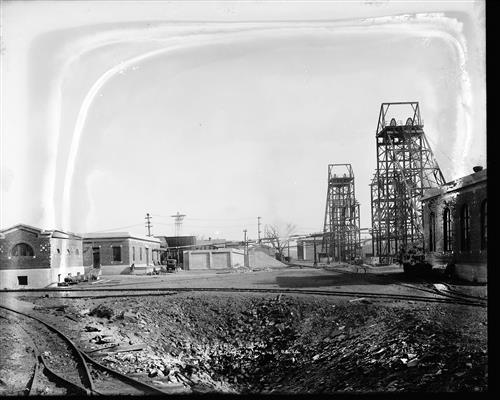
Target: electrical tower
[(178, 222), (341, 233), (148, 223), (406, 167)]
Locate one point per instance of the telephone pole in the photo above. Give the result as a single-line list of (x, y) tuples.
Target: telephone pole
[(245, 250), (258, 229), (148, 223)]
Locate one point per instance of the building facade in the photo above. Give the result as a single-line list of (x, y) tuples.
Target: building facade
[(213, 259), (455, 226), (34, 258), (120, 253)]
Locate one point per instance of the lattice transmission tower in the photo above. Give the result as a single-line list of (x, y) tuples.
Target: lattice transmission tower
[(341, 233), (406, 167)]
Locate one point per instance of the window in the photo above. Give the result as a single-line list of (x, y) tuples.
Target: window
[(465, 228), (432, 232), (77, 252), (133, 254), (447, 230), (140, 253), (22, 280), (117, 253), (22, 250), (484, 225)]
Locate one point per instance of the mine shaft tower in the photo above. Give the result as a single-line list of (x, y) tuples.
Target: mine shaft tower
[(405, 168), (341, 233)]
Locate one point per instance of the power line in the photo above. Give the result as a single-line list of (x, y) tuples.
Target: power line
[(117, 228), (208, 219)]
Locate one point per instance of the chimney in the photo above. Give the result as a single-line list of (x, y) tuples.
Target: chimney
[(477, 168)]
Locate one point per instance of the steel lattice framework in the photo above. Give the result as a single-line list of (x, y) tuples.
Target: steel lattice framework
[(405, 168), (341, 233)]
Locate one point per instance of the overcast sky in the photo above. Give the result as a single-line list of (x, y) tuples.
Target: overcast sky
[(223, 111)]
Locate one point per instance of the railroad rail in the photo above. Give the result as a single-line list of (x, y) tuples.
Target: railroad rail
[(81, 374), (358, 294), (448, 293)]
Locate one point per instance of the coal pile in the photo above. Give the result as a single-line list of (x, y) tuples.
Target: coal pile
[(284, 344)]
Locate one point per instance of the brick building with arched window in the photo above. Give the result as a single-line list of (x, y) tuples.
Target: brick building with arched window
[(455, 225), (35, 258)]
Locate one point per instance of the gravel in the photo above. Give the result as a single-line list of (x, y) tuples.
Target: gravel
[(250, 343)]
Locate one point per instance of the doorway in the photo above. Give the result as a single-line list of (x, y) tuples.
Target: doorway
[(96, 257)]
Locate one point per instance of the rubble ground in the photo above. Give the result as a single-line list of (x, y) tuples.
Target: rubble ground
[(254, 343)]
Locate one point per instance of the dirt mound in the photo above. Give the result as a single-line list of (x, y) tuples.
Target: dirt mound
[(260, 260)]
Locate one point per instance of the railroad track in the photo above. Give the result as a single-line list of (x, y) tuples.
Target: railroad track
[(61, 368), (333, 293), (448, 293)]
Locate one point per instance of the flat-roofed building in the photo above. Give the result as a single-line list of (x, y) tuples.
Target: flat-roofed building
[(117, 253)]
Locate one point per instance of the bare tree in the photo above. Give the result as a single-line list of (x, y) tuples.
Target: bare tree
[(279, 238)]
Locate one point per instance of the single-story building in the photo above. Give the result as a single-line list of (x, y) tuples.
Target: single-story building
[(213, 259), (455, 225), (35, 258), (117, 253)]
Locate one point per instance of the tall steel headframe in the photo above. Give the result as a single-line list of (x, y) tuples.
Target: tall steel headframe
[(406, 167), (341, 233)]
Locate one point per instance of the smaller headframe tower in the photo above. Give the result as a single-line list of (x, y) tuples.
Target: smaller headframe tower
[(406, 167), (341, 233)]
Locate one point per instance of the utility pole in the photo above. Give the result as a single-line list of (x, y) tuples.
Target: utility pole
[(245, 250), (258, 229), (148, 223), (315, 259)]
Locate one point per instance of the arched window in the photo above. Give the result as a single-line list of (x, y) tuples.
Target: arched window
[(484, 225), (22, 250), (465, 228), (432, 232), (447, 230), (77, 252)]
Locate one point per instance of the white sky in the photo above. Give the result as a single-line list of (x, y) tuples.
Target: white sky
[(223, 111)]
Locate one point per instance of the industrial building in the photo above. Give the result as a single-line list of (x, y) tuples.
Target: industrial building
[(455, 226), (213, 259), (118, 253), (307, 247), (35, 258)]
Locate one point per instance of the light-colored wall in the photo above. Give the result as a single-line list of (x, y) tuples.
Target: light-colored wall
[(213, 259), (37, 278)]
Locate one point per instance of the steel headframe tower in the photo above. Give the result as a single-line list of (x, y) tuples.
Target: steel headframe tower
[(341, 233), (406, 167)]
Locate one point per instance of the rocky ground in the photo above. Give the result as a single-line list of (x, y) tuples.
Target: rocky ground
[(248, 343)]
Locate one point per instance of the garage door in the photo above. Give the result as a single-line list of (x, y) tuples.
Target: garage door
[(198, 261), (220, 260)]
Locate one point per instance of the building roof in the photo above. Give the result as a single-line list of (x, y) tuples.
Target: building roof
[(118, 235), (53, 233), (213, 242), (457, 184)]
